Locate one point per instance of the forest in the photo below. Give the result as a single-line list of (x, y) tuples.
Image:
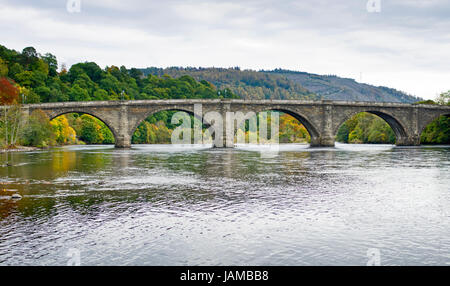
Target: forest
[(30, 77), (246, 84)]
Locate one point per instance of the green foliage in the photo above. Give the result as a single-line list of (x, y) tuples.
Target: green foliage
[(444, 98), (78, 94), (152, 133), (437, 132), (343, 133), (365, 128), (28, 57), (93, 131), (52, 64), (90, 131), (108, 137), (100, 94), (87, 81), (39, 131), (14, 70), (24, 78), (3, 68)]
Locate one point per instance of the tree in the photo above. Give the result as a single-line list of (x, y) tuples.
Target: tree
[(366, 128), (78, 94), (39, 131), (110, 84), (136, 74), (29, 52), (94, 131), (44, 93), (100, 94), (29, 56), (444, 98), (108, 137), (3, 68), (356, 136), (13, 125), (9, 95), (292, 131), (41, 66), (438, 131), (380, 132), (91, 69), (52, 63), (14, 70), (343, 133), (64, 133), (25, 78)]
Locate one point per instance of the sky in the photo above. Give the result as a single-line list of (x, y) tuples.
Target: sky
[(403, 44)]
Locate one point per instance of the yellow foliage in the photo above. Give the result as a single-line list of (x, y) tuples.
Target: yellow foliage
[(64, 133)]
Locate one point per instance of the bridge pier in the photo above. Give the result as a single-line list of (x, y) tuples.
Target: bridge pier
[(408, 141), (224, 143), (225, 139), (123, 136), (326, 137), (324, 141), (123, 142)]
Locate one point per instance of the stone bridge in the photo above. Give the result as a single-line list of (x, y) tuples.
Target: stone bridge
[(322, 119)]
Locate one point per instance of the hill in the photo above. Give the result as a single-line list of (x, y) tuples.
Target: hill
[(246, 84), (336, 88), (285, 84)]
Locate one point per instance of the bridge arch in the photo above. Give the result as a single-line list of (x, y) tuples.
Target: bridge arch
[(430, 119), (149, 113), (310, 126), (110, 125), (401, 134), (241, 118), (312, 130)]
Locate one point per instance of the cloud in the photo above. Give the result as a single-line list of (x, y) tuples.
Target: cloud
[(405, 46)]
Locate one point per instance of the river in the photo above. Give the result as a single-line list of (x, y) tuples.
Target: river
[(192, 205)]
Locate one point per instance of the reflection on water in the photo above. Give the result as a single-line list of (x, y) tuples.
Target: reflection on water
[(169, 205)]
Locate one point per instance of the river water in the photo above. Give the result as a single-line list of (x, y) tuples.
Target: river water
[(168, 205)]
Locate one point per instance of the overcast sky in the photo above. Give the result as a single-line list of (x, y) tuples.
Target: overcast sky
[(405, 46)]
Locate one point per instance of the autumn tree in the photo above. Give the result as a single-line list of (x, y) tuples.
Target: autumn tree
[(9, 95), (64, 133)]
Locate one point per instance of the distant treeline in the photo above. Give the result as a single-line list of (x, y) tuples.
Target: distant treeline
[(246, 84)]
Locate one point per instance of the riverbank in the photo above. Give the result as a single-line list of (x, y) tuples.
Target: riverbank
[(19, 149)]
